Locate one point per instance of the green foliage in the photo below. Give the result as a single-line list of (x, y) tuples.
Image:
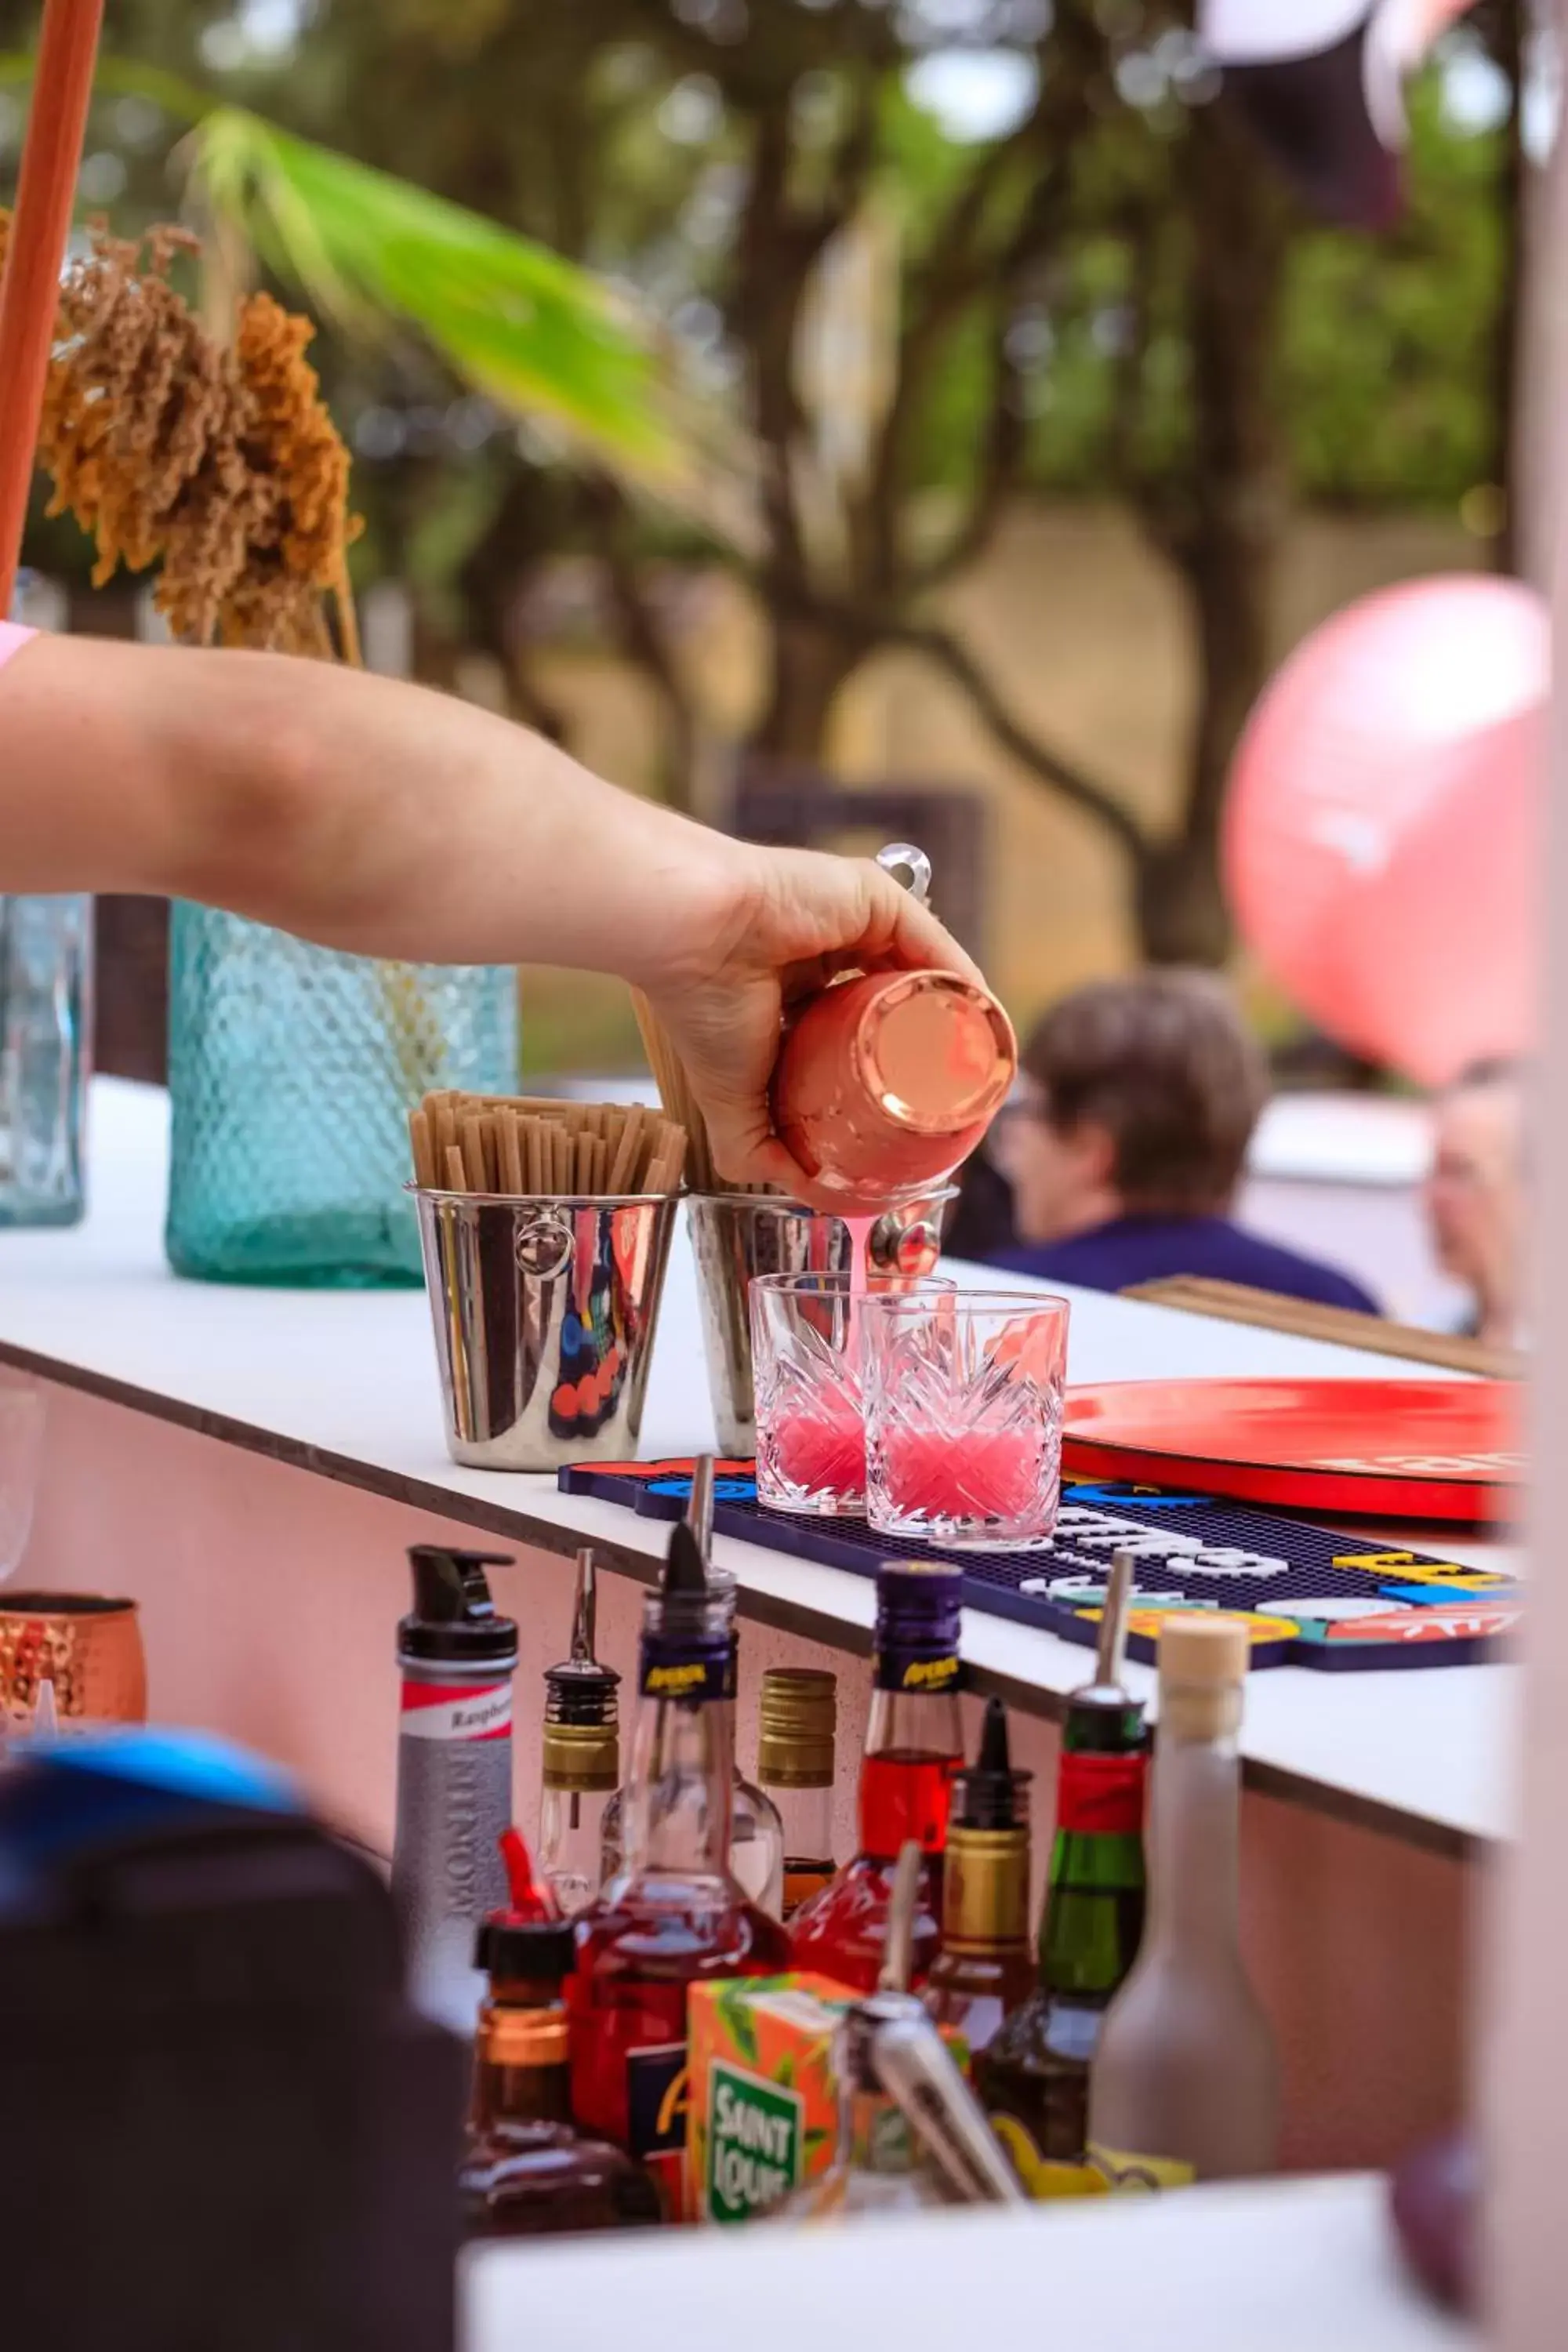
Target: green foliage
[(1390, 345), (533, 333)]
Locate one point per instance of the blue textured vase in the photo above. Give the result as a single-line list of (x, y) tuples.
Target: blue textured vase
[(46, 1027), (291, 1070)]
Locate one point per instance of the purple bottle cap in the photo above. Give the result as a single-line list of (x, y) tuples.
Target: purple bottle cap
[(918, 1605)]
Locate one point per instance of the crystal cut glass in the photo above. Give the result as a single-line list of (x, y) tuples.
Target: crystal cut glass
[(963, 1417), (291, 1070), (807, 1376)]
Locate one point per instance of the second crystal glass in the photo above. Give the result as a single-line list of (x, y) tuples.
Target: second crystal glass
[(806, 1353), (963, 1416)]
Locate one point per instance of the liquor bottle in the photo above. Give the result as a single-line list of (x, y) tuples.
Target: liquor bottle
[(527, 2170), (1185, 2082), (985, 1968), (798, 1720), (673, 1914), (913, 1744), (756, 1831), (910, 2134), (582, 1757), (457, 1659), (756, 1825), (1034, 2076)]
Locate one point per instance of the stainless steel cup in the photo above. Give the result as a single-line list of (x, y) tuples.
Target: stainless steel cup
[(545, 1313), (735, 1236)]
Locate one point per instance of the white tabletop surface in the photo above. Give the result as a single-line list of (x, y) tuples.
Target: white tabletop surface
[(1292, 2266), (344, 1384)]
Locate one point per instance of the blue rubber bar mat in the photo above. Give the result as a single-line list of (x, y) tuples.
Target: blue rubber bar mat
[(1334, 1602)]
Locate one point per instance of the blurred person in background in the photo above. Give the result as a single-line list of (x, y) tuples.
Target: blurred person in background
[(980, 1223), (1475, 1195), (1125, 1149)]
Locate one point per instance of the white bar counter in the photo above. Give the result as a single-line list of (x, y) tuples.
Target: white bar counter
[(343, 1384), (248, 1465), (1278, 2268)]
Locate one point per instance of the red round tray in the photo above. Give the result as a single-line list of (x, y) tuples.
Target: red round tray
[(1397, 1449)]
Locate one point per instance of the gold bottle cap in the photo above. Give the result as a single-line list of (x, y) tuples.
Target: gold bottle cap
[(798, 1716), (582, 1756), (986, 1887), (1204, 1663)]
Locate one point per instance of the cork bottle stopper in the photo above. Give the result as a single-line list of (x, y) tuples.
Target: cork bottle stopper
[(1203, 1669), (1202, 1653)]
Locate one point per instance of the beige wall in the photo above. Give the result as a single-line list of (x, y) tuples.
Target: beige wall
[(1085, 632)]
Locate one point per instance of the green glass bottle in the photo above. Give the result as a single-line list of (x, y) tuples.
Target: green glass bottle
[(1032, 2078)]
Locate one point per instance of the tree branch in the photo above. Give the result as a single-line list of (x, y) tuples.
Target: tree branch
[(642, 637), (1002, 444), (1049, 766)]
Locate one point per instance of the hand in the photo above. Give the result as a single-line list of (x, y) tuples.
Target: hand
[(771, 926)]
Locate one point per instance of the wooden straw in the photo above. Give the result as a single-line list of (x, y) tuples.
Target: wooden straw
[(29, 293), (457, 1175), (583, 1163), (445, 1133), (511, 1151), (675, 1094), (423, 1144), (474, 1155), (598, 1174), (624, 1165), (534, 1144)]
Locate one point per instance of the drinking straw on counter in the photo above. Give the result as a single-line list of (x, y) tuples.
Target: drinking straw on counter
[(680, 1104)]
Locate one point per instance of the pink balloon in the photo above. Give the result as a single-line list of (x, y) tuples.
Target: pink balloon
[(1383, 830)]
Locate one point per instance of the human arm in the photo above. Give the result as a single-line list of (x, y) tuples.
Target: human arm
[(387, 820)]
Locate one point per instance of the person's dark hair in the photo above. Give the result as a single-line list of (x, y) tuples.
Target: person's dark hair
[(1165, 1063)]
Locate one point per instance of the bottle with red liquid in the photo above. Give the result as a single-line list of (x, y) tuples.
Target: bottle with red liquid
[(673, 1916), (913, 1747)]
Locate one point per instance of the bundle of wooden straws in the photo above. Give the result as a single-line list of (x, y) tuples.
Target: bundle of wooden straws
[(680, 1104), (531, 1146)]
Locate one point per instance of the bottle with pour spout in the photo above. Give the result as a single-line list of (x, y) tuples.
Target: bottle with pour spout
[(756, 1829), (582, 1757), (886, 1080)]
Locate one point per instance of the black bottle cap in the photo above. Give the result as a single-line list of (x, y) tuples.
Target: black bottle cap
[(543, 1951), (988, 1794), (580, 1690), (684, 1587), (454, 1618)]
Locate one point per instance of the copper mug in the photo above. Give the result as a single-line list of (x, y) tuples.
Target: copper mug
[(887, 1081), (87, 1646)]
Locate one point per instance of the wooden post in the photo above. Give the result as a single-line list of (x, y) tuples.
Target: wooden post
[(56, 118)]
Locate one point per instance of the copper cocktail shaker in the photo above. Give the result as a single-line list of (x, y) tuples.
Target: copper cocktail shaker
[(888, 1080)]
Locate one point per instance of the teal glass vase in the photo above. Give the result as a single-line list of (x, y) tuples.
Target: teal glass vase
[(292, 1072)]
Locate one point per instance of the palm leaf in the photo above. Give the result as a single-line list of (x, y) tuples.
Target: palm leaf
[(539, 337), (542, 338)]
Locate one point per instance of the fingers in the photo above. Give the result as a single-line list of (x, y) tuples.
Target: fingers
[(745, 1147), (903, 934)]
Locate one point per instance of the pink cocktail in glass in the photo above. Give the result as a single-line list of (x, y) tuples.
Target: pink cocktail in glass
[(807, 1364), (963, 1417)]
